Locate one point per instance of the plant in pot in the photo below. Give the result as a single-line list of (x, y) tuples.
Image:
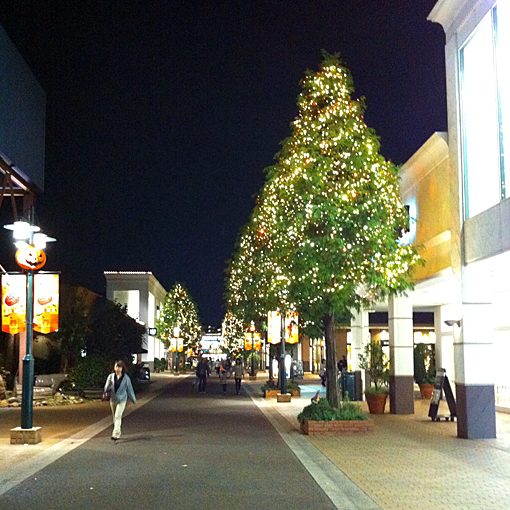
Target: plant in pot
[(375, 362), (424, 369)]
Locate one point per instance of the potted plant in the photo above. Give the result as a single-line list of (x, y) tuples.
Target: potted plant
[(375, 362), (424, 369)]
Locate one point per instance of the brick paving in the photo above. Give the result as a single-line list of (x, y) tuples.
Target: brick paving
[(412, 463)]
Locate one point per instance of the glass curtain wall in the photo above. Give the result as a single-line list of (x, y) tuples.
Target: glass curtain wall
[(485, 108)]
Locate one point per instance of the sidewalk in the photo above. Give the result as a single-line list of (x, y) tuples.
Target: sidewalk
[(63, 429), (412, 463)]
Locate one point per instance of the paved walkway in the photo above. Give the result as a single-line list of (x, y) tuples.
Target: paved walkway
[(412, 463), (409, 462)]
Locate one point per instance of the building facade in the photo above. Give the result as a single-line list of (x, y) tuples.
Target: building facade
[(143, 296), (478, 92)]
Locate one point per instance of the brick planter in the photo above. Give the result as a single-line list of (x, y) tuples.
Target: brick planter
[(271, 393), (333, 427), (295, 393), (283, 398)]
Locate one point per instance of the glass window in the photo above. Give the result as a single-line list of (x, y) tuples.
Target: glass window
[(503, 69), (480, 121)]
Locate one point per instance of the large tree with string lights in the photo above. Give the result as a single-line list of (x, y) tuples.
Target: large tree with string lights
[(329, 217), (179, 310)]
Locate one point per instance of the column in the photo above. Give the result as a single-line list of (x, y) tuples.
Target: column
[(476, 407), (445, 338), (360, 336), (400, 321)]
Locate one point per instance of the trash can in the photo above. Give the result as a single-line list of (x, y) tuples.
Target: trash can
[(349, 385)]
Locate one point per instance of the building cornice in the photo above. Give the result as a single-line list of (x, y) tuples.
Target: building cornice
[(453, 14)]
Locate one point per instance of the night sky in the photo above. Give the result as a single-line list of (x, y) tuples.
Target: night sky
[(162, 115)]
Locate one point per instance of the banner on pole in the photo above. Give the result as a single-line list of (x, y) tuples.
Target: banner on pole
[(14, 303), (256, 341), (274, 327), (291, 328), (46, 302)]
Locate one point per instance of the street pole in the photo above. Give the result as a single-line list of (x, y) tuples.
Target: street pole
[(283, 371), (251, 329), (23, 231), (177, 334), (27, 388), (252, 360), (27, 391)]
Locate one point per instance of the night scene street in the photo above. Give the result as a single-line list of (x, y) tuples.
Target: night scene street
[(254, 254)]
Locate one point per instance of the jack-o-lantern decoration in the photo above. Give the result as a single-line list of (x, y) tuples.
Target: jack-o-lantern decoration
[(30, 257)]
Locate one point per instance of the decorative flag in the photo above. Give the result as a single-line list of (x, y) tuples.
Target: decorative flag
[(46, 301), (14, 302), (274, 327), (291, 328), (256, 341)]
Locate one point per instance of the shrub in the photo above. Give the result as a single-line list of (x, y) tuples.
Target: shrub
[(270, 385), (90, 372), (160, 364), (292, 385), (376, 363), (372, 390), (324, 411)]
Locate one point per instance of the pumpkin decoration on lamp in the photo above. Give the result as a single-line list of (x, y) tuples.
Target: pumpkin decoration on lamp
[(30, 257)]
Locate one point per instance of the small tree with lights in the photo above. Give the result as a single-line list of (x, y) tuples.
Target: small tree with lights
[(329, 217), (233, 334), (179, 311)]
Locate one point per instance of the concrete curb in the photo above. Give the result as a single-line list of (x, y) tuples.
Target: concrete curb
[(342, 492)]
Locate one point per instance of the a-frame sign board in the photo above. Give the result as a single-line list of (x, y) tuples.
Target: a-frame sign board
[(442, 384)]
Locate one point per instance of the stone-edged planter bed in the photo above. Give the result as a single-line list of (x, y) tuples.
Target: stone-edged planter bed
[(275, 393), (93, 393), (334, 427)]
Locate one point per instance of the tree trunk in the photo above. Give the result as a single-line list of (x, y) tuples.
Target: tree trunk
[(332, 393)]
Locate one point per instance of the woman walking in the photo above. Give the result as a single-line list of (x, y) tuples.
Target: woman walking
[(119, 385), (238, 374)]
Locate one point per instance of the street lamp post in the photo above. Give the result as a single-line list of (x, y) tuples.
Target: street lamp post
[(177, 332), (283, 369), (23, 232), (251, 329)]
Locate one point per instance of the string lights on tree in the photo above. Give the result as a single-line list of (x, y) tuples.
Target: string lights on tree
[(324, 234), (179, 311)]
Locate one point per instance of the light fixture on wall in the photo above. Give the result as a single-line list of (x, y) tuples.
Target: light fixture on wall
[(452, 322)]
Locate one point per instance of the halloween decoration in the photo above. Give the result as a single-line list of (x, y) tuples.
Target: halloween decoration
[(30, 257)]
